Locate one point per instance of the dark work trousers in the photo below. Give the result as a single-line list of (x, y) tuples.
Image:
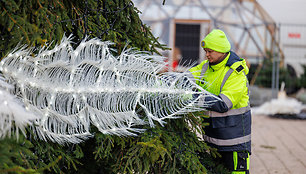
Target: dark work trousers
[(237, 162)]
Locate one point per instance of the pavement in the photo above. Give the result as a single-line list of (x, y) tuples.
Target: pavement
[(278, 145)]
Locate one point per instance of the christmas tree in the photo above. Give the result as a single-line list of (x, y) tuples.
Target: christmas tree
[(172, 148)]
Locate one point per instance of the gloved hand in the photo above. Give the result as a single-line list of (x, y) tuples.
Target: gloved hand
[(195, 96), (199, 100)]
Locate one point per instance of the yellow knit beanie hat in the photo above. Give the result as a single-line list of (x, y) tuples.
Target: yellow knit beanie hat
[(217, 41)]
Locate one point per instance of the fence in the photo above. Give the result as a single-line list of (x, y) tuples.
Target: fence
[(293, 43), (292, 39)]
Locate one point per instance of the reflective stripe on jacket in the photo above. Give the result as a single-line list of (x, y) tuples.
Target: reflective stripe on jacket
[(230, 118)]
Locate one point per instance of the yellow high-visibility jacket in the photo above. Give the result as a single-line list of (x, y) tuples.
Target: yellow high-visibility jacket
[(230, 117)]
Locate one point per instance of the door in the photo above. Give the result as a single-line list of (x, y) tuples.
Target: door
[(187, 39)]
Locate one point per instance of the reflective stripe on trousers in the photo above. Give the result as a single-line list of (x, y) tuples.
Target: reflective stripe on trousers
[(229, 142)]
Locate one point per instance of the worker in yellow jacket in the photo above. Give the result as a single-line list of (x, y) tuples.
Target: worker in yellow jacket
[(224, 75)]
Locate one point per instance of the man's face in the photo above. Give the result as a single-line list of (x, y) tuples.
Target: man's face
[(213, 57)]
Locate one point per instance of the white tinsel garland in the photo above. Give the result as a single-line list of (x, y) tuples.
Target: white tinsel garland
[(71, 88), (13, 116)]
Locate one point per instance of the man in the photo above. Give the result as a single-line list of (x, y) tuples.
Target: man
[(224, 75)]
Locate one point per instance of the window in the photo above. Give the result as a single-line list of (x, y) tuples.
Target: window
[(187, 39)]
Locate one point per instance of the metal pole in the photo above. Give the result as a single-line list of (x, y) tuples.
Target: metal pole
[(273, 74), (278, 61)]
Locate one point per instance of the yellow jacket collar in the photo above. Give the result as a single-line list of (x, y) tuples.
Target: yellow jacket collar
[(221, 64)]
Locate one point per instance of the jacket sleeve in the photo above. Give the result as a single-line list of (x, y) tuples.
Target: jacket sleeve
[(196, 71), (231, 94), (234, 90)]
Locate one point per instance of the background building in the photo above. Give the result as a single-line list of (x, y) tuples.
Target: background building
[(183, 24), (254, 35)]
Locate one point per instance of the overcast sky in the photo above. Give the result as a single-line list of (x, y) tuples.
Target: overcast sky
[(286, 11)]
